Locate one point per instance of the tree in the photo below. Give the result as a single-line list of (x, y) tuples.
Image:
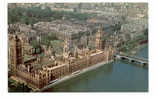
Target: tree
[(117, 26), (146, 32)]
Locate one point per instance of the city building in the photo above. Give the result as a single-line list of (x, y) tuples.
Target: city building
[(40, 70)]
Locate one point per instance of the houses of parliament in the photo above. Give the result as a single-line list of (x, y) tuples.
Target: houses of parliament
[(38, 71)]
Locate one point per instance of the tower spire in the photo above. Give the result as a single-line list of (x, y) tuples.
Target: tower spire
[(99, 38), (66, 48)]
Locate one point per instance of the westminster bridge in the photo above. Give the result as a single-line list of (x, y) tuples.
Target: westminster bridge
[(132, 59)]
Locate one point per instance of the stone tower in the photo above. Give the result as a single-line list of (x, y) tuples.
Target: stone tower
[(76, 52), (16, 52), (66, 49), (66, 46), (98, 44)]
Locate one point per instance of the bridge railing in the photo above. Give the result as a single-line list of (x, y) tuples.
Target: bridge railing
[(137, 58)]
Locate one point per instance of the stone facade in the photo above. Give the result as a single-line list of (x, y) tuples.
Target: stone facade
[(98, 39), (39, 71)]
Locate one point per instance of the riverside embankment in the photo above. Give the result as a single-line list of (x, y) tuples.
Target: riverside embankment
[(117, 76)]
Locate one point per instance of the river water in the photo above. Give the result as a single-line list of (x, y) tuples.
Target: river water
[(114, 77)]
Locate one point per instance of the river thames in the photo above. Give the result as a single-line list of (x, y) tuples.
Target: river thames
[(114, 77)]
